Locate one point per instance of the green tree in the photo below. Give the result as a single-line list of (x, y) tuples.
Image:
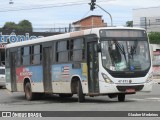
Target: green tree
[(9, 26), (129, 23), (25, 26), (154, 37)]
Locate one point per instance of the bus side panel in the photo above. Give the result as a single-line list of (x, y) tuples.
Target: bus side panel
[(34, 74), (62, 75), (156, 73), (85, 77), (8, 79)]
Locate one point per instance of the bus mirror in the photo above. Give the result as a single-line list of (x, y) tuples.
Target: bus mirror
[(98, 47)]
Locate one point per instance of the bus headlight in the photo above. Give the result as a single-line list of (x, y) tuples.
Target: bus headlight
[(150, 78), (105, 77)]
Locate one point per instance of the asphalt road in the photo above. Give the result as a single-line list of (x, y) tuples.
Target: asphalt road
[(137, 102)]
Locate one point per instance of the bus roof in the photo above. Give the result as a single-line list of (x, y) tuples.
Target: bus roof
[(65, 35)]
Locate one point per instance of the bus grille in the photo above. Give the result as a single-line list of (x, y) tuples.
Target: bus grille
[(124, 88)]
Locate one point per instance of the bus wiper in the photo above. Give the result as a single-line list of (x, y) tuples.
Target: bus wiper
[(121, 48), (133, 48)]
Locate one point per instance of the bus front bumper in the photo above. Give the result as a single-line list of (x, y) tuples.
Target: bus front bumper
[(124, 88)]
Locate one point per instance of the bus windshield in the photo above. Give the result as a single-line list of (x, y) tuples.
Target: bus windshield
[(125, 54)]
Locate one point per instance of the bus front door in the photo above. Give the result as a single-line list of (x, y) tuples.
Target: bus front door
[(47, 81), (92, 61), (13, 72)]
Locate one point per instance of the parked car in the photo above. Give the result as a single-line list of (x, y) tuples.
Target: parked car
[(2, 77)]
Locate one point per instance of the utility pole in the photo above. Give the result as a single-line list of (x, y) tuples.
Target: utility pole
[(92, 7), (146, 23)]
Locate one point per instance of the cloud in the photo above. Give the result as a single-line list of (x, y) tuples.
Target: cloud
[(121, 10), (134, 3)]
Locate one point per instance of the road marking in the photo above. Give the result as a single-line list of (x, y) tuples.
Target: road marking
[(156, 99), (136, 99), (146, 99)]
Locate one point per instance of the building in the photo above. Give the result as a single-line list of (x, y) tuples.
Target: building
[(148, 18), (89, 22), (13, 36)]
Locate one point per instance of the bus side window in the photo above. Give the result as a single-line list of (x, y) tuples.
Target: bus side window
[(62, 51), (36, 54), (26, 56), (53, 52), (18, 63), (22, 52), (56, 51), (32, 53), (7, 58), (71, 50), (78, 49)]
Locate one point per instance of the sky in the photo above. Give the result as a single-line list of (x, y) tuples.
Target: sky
[(59, 13)]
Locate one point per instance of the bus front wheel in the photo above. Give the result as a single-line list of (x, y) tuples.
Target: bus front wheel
[(81, 96), (121, 97), (28, 92)]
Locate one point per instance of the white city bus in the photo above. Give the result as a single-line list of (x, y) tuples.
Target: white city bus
[(112, 61)]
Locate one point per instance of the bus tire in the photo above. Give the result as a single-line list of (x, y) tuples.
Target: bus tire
[(121, 97), (29, 95), (65, 95), (81, 96)]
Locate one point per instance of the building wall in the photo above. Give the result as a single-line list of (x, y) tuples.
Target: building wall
[(90, 22), (5, 38), (148, 18)]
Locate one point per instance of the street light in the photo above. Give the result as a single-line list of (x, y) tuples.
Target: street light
[(92, 7), (107, 13)]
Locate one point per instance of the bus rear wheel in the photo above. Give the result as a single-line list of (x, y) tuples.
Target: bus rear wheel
[(28, 92), (81, 96), (121, 97)]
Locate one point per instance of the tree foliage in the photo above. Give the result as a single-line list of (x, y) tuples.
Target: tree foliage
[(154, 37), (129, 23), (9, 26), (23, 25)]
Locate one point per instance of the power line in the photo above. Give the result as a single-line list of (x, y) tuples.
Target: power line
[(40, 7), (48, 6)]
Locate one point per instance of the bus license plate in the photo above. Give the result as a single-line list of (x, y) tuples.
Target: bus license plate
[(130, 90)]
